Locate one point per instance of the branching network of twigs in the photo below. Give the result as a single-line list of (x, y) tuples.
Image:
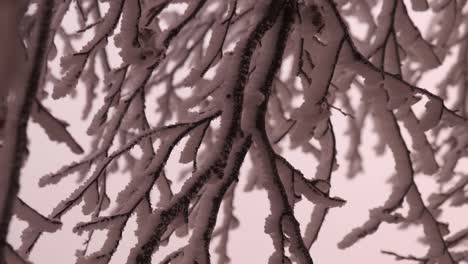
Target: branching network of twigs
[(215, 67)]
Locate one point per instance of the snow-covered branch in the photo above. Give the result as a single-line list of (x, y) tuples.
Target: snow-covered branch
[(209, 84)]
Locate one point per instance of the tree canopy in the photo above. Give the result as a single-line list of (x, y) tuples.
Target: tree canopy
[(218, 83)]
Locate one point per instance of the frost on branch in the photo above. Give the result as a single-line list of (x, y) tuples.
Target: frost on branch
[(207, 84)]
